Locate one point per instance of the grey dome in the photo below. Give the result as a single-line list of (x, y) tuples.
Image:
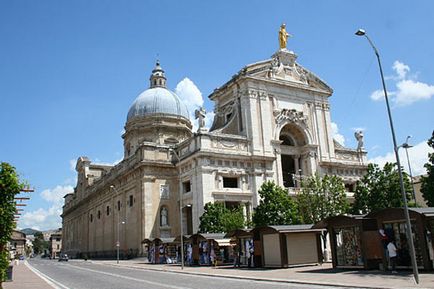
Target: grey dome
[(158, 100)]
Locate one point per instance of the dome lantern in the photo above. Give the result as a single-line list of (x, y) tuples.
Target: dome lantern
[(158, 78)]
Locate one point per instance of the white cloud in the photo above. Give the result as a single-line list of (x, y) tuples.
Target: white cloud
[(43, 219), (418, 156), (378, 95), (72, 164), (408, 89), (56, 195), (401, 69), (336, 135), (189, 93), (192, 97)]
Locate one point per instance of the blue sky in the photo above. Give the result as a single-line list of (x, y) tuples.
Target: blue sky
[(69, 71)]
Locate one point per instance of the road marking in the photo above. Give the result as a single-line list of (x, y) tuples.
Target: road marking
[(130, 278), (53, 283)]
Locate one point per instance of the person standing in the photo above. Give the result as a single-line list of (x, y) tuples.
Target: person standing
[(391, 249)]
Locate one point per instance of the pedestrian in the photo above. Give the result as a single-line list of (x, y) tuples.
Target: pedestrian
[(391, 249)]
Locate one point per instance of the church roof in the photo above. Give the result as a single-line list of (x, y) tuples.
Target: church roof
[(281, 67), (157, 100)]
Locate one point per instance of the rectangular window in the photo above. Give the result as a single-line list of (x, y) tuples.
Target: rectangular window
[(230, 182), (131, 200), (164, 192), (91, 218), (119, 205), (108, 210), (186, 186)]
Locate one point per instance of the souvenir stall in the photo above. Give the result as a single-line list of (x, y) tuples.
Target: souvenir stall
[(283, 246), (149, 249), (187, 249), (392, 222), (244, 247), (355, 241), (160, 250), (207, 248)]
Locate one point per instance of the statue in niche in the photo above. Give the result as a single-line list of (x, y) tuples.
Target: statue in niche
[(359, 137), (283, 36), (164, 214), (200, 114)]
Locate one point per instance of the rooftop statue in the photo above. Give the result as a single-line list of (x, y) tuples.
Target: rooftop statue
[(283, 36)]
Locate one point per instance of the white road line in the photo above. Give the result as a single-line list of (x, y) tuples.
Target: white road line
[(131, 278), (53, 283)]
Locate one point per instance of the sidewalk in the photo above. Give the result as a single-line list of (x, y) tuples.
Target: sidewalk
[(315, 275), (24, 278)]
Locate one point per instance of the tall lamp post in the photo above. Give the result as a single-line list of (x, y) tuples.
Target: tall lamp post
[(406, 146), (362, 32), (118, 244), (172, 151)]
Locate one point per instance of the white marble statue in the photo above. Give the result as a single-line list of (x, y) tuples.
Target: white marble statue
[(200, 114), (359, 137)]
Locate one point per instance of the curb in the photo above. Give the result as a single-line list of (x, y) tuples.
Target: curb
[(340, 285)]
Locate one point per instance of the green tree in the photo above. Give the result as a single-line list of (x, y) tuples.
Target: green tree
[(321, 198), (10, 186), (427, 187), (217, 219), (39, 244), (275, 207), (380, 188)]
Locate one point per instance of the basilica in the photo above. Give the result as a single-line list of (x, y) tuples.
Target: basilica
[(272, 122)]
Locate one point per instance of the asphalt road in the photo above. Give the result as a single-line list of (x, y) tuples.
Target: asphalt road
[(78, 274)]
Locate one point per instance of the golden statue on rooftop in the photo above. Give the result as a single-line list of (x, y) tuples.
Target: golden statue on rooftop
[(283, 36)]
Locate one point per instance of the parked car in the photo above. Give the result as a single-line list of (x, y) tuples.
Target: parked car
[(63, 257)]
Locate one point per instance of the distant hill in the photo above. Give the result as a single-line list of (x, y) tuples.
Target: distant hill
[(29, 231)]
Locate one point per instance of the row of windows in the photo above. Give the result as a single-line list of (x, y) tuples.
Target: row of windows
[(228, 182), (131, 201)]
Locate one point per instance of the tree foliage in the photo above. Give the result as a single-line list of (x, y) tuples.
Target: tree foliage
[(427, 187), (10, 186), (39, 244), (321, 198), (217, 219), (380, 188), (275, 207)]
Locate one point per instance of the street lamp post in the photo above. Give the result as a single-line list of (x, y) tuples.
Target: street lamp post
[(118, 244), (300, 180), (406, 146), (362, 32), (180, 209)]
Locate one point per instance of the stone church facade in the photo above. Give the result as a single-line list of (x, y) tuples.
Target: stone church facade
[(272, 122)]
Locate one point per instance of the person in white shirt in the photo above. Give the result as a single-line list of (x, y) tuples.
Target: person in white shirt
[(391, 249)]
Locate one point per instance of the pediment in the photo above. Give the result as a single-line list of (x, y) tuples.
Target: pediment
[(283, 67)]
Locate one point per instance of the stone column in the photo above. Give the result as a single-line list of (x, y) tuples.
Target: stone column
[(278, 177)]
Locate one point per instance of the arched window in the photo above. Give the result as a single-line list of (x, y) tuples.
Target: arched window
[(287, 140), (164, 217)]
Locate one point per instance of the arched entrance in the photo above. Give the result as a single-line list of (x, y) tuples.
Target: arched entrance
[(292, 140)]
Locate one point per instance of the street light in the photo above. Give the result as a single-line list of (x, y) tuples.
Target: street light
[(172, 151), (362, 32), (299, 182), (118, 244), (407, 146)]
